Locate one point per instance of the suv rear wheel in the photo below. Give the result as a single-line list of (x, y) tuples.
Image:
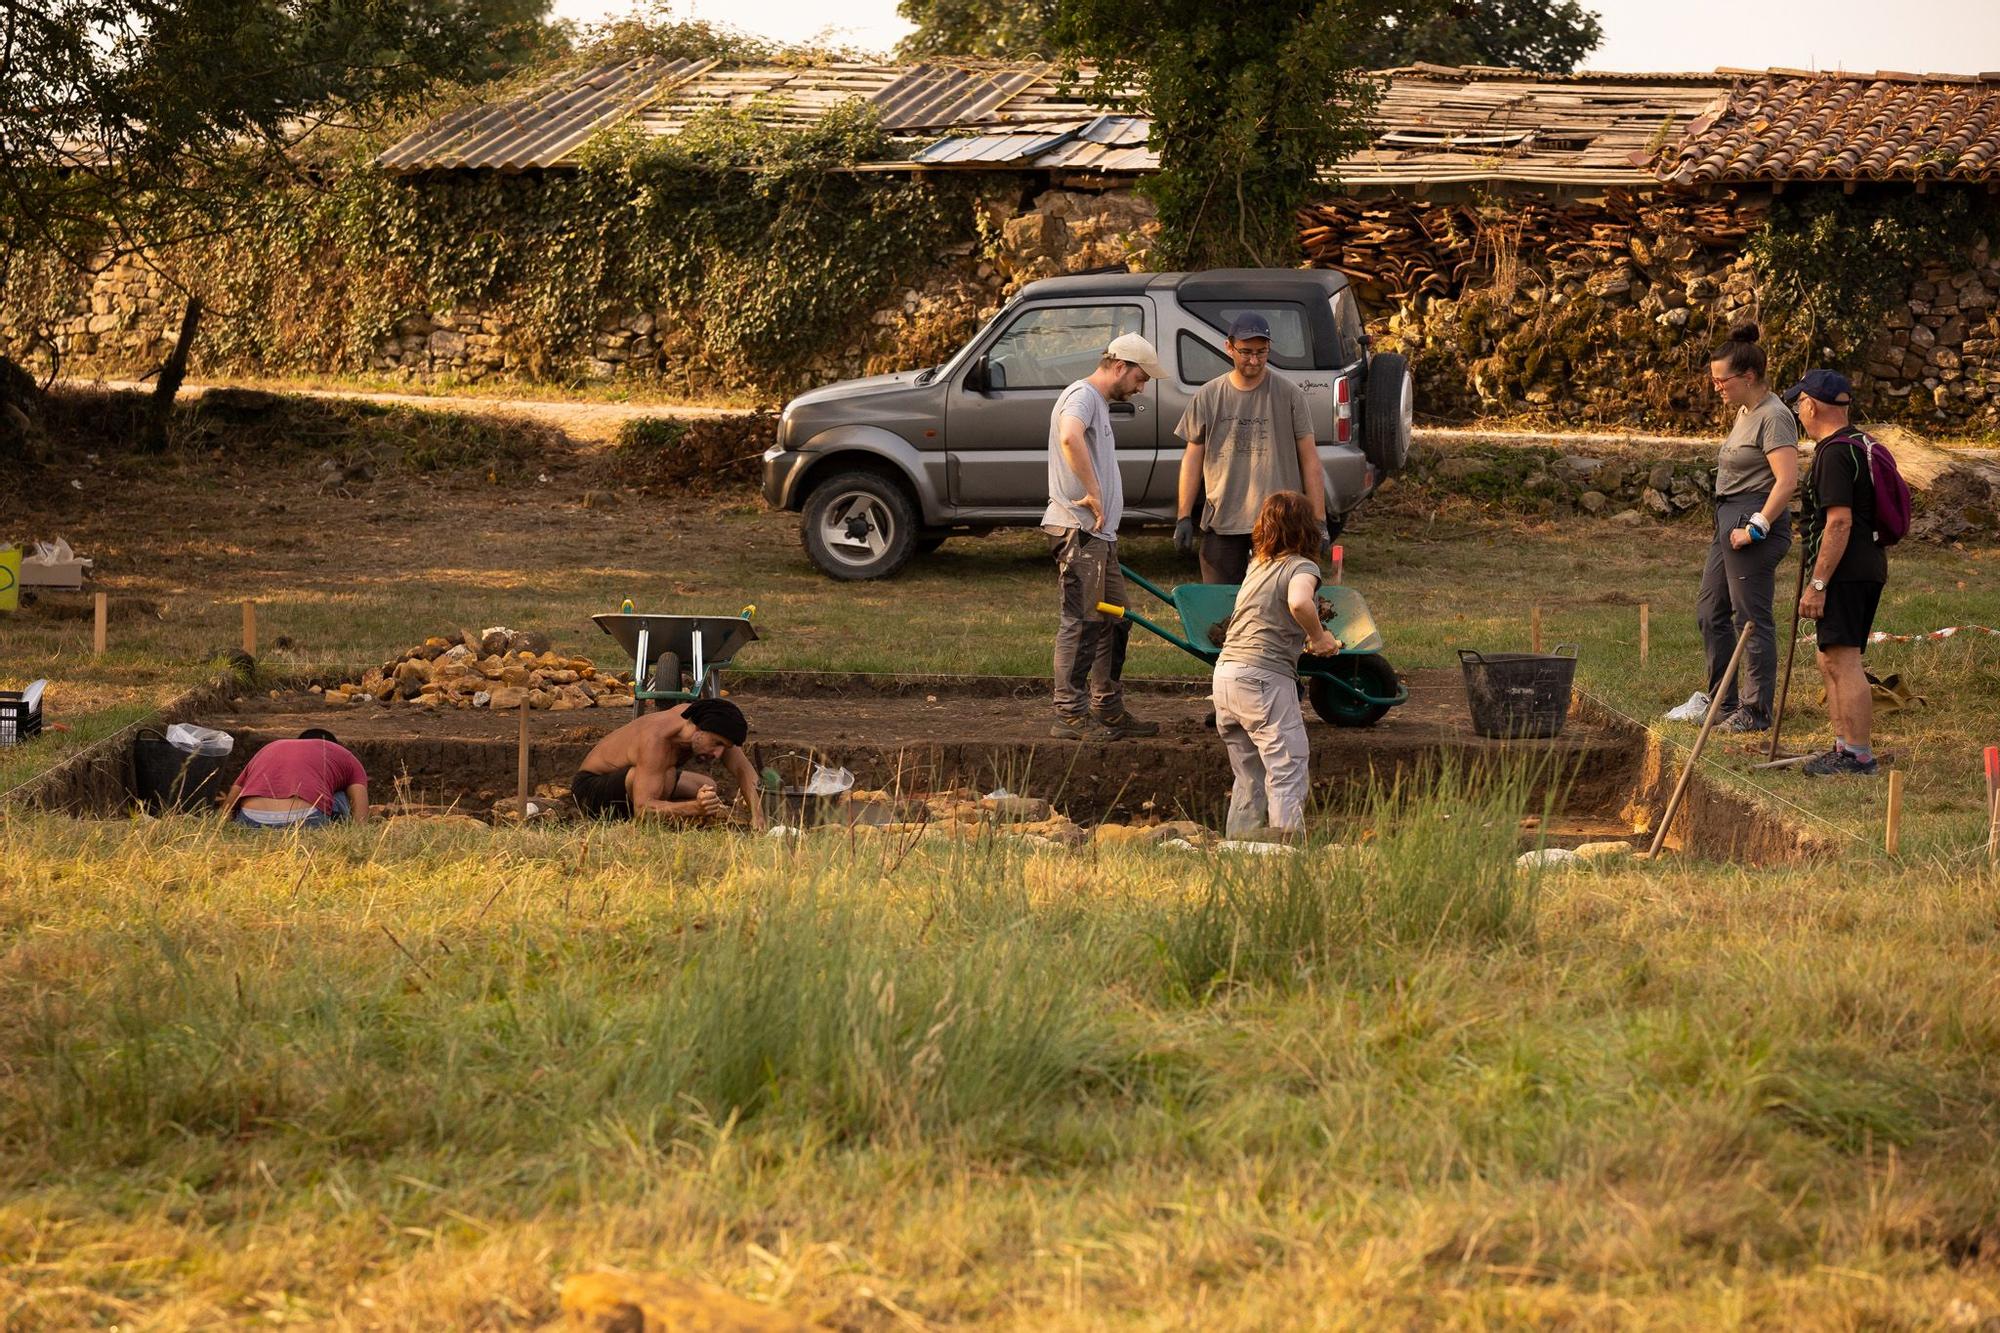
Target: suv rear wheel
[(859, 525)]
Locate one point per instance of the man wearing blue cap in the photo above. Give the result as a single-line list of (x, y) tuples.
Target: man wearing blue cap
[(1249, 435), (1847, 565)]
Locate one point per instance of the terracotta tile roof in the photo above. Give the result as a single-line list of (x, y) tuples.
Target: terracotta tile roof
[(1794, 125)]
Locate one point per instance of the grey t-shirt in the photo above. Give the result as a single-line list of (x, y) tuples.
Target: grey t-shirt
[(1251, 443), (1743, 464), (1082, 401), (1262, 632)]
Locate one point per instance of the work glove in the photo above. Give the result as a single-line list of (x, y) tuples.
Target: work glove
[(1184, 538)]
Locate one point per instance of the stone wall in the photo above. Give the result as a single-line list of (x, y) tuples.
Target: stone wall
[(1616, 336), (122, 319)]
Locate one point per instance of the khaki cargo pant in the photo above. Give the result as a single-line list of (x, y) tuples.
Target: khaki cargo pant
[(1257, 714)]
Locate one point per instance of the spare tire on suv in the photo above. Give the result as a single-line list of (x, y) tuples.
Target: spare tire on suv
[(1389, 413)]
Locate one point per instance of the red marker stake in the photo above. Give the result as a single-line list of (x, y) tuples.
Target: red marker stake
[(1992, 803), (1339, 555)]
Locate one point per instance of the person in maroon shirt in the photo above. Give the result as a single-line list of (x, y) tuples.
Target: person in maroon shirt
[(305, 783)]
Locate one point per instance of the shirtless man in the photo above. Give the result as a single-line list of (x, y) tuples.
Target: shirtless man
[(638, 769)]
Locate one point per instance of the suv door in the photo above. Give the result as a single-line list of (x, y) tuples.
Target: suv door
[(998, 435)]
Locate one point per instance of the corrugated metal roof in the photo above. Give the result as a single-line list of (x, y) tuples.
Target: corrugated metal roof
[(1433, 124), (1103, 143), (544, 127)]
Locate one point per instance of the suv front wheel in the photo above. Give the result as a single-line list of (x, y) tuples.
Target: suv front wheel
[(859, 525)]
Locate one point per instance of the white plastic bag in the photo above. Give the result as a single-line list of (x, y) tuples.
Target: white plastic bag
[(199, 740), (828, 781)]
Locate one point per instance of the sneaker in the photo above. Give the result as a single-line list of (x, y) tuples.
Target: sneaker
[(1122, 724), (1743, 720), (1084, 728), (1839, 763), (1694, 710)]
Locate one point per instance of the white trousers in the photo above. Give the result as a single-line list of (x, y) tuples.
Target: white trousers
[(1257, 714)]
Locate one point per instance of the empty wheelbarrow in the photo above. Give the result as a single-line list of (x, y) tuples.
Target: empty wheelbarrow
[(663, 648), (1354, 688)]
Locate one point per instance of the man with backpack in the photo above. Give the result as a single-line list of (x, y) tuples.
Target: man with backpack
[(1856, 506)]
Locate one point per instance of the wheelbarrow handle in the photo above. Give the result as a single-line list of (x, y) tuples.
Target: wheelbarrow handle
[(1471, 657)]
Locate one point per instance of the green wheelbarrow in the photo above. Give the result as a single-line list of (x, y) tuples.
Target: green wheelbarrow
[(663, 648), (1353, 688)]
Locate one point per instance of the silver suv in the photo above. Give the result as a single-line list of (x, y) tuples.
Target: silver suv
[(885, 467)]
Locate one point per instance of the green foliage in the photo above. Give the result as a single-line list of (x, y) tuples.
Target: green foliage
[(1830, 265), (1530, 34), (755, 247), (1247, 107)]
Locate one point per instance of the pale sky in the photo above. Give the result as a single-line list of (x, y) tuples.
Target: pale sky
[(1917, 36)]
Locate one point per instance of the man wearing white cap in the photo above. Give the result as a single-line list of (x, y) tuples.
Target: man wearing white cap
[(1086, 502)]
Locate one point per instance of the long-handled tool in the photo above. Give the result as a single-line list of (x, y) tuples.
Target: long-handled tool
[(1694, 755), (1785, 681)]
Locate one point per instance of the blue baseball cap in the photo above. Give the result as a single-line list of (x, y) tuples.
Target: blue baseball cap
[(1250, 324), (1826, 386)]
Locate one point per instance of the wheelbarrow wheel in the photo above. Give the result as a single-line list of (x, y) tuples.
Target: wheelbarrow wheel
[(1368, 672)]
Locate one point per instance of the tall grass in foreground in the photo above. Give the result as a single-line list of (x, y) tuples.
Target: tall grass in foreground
[(1435, 866)]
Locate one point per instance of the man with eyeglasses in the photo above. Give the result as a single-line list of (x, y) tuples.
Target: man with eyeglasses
[(1249, 435)]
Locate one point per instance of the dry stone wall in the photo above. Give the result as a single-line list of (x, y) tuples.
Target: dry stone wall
[(1607, 336)]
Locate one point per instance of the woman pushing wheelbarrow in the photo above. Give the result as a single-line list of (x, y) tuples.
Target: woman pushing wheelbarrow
[(1256, 683)]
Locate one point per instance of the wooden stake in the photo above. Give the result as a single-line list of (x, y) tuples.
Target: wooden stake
[(1645, 632), (1694, 755), (1535, 629), (250, 628), (103, 624), (1892, 838), (521, 785)]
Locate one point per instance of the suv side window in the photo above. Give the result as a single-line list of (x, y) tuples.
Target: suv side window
[(1291, 331), (1200, 363), (1347, 318), (1051, 347)]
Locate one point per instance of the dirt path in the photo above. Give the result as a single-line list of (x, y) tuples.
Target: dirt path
[(585, 422)]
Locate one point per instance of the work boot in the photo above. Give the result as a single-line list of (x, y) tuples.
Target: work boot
[(1839, 763), (1085, 728), (1122, 725), (1742, 720)]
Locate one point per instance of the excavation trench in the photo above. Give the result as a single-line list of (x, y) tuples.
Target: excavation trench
[(912, 736)]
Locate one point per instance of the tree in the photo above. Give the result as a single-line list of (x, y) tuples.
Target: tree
[(1546, 35), (126, 124), (1247, 106)]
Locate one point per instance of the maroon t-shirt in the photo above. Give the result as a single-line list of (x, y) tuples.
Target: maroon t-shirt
[(303, 771)]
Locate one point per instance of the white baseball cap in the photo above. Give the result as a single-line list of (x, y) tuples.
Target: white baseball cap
[(1131, 347)]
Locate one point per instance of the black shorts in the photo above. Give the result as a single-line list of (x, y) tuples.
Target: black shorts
[(1849, 614), (602, 795)]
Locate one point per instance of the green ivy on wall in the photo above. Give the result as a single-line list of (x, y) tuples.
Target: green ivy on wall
[(1830, 265), (758, 246)]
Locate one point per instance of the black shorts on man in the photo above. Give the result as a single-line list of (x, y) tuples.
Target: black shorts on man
[(602, 795), (1849, 614)]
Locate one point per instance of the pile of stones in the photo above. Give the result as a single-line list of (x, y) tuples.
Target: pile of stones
[(496, 668)]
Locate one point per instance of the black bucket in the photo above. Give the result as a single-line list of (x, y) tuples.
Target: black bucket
[(1519, 696), (166, 779)]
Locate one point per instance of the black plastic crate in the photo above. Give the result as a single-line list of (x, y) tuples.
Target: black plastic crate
[(18, 722)]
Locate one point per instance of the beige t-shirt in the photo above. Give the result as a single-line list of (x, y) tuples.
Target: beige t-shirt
[(1262, 632), (1251, 443), (1742, 465)]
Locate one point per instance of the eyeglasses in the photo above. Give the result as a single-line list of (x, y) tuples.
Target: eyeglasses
[(1718, 383)]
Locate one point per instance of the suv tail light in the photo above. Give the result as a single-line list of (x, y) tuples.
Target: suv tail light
[(1343, 409)]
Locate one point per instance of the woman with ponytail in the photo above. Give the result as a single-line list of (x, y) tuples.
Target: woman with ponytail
[(1755, 476)]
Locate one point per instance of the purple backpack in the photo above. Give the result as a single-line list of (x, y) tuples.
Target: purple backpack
[(1892, 493)]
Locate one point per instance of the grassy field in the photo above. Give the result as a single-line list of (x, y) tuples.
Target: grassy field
[(411, 1076)]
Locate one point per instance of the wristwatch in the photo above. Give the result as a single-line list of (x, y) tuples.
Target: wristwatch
[(1819, 585)]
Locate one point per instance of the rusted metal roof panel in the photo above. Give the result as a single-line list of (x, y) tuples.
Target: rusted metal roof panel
[(542, 128), (935, 97)]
